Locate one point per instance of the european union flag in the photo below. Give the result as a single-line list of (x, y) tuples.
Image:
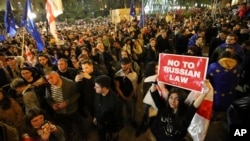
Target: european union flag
[(2, 38), (9, 20), (31, 26), (142, 17), (132, 8)]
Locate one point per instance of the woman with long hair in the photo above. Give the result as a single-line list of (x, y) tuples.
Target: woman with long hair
[(174, 114)]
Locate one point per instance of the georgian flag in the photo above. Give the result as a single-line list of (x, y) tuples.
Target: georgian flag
[(30, 56), (200, 122), (53, 9)]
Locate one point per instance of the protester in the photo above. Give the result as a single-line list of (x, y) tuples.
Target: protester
[(174, 115), (37, 128), (62, 96), (85, 84), (108, 110), (81, 33), (10, 111), (126, 85), (27, 92)]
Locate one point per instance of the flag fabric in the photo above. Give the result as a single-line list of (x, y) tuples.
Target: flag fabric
[(53, 9), (132, 8), (142, 16), (200, 122), (161, 89), (30, 56), (31, 26), (2, 37), (9, 20)]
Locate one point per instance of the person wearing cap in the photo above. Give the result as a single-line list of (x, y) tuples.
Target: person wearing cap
[(125, 85), (29, 97)]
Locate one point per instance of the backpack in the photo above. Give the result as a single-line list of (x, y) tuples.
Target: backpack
[(8, 132)]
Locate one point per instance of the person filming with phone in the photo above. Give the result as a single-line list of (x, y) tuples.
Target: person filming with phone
[(37, 128)]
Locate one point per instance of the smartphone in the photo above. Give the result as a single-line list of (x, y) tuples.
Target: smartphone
[(45, 122)]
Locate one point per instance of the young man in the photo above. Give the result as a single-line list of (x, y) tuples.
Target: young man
[(126, 84), (108, 110), (64, 70), (85, 84)]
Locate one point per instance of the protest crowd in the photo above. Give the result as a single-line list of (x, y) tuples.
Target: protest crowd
[(94, 78)]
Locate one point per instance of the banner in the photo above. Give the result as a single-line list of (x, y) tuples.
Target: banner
[(183, 71)]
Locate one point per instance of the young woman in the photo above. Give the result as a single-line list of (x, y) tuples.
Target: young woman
[(36, 128), (174, 115), (10, 111)]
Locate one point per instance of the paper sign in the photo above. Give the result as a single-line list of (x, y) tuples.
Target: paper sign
[(183, 71)]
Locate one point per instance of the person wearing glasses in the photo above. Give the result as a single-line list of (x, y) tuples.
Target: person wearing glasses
[(232, 40)]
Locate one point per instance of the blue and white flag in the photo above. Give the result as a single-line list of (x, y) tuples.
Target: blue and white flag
[(142, 16), (2, 38), (30, 26), (132, 8), (9, 20)]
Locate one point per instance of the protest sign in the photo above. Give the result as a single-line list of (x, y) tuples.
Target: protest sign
[(183, 71)]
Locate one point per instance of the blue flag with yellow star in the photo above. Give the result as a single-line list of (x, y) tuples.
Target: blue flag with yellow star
[(9, 20), (30, 26), (132, 8)]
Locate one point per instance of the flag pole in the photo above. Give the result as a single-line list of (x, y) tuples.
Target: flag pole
[(143, 14), (22, 54), (23, 43)]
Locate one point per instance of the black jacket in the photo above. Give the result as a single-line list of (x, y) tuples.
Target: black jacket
[(108, 112)]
